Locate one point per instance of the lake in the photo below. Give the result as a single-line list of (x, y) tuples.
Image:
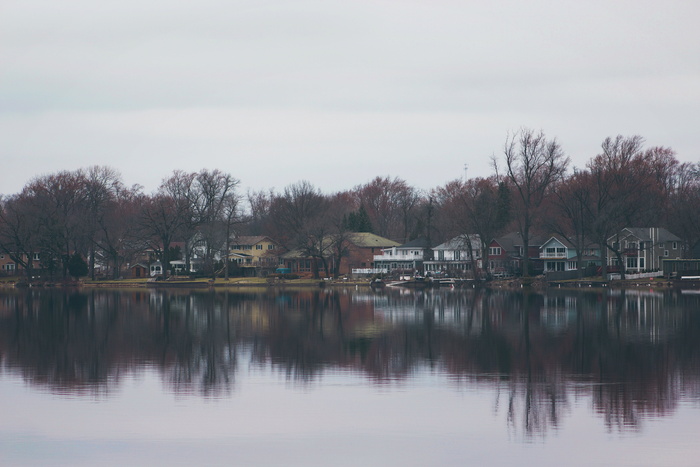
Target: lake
[(349, 377)]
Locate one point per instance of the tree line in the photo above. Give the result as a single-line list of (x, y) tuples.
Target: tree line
[(92, 214)]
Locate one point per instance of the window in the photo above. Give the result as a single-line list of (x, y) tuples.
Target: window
[(270, 246), (258, 247), (631, 245), (632, 262), (641, 245), (675, 245), (665, 252), (641, 263), (495, 251), (458, 255)]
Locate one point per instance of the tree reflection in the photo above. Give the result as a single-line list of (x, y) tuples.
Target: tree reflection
[(633, 354)]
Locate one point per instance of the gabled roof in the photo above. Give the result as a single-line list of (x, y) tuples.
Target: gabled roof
[(564, 241), (370, 240), (417, 243), (510, 241), (250, 240), (645, 234), (568, 243), (458, 243)]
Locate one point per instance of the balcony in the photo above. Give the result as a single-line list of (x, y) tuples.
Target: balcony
[(553, 255), (406, 257)]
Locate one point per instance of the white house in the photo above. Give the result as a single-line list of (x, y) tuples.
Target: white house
[(407, 257), (454, 256)]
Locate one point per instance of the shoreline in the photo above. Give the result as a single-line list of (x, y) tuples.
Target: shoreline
[(511, 284)]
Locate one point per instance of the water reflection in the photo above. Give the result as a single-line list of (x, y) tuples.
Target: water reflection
[(634, 354)]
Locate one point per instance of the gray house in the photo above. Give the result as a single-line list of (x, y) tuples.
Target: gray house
[(644, 248)]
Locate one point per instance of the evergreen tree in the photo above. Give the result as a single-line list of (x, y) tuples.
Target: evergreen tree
[(77, 267)]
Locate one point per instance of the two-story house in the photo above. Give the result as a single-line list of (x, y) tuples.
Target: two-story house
[(254, 254), (455, 256), (506, 255), (644, 248), (10, 267), (559, 254), (361, 249), (408, 257)]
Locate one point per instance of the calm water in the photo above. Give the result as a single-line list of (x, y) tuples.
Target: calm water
[(349, 378)]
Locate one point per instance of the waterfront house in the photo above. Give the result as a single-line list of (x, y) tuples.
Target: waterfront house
[(360, 250), (644, 248), (10, 267), (506, 255), (455, 256), (408, 257), (344, 254), (558, 254), (255, 255)]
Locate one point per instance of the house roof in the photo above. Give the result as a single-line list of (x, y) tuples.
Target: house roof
[(370, 240), (564, 241), (513, 239), (250, 240), (359, 239), (645, 234), (458, 243), (417, 243), (568, 243)]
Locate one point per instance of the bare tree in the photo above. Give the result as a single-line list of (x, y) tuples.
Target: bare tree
[(391, 205), (210, 196), (117, 238), (162, 220), (301, 214), (230, 217), (19, 236), (571, 217), (478, 206), (533, 166), (684, 206), (59, 201), (619, 183), (102, 185)]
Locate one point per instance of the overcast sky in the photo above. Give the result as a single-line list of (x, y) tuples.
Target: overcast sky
[(335, 92)]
